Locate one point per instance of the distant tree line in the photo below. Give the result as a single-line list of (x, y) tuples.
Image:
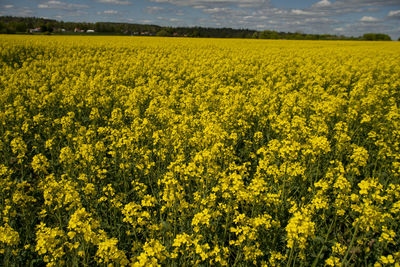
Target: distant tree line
[(206, 32), (25, 24), (300, 36), (303, 36), (376, 37), (11, 25)]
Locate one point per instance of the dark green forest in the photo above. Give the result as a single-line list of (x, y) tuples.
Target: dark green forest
[(33, 25)]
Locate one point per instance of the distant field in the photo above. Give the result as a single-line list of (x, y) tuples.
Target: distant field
[(149, 151)]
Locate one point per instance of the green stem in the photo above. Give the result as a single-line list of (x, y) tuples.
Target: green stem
[(291, 255), (294, 260), (350, 246), (227, 220), (238, 256), (322, 247)]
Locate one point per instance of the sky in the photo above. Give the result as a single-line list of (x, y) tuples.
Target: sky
[(341, 17)]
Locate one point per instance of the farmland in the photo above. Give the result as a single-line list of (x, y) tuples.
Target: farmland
[(149, 151)]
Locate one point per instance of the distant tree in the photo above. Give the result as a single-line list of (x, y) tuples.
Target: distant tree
[(194, 33), (43, 28), (310, 37), (163, 32), (398, 39), (269, 35), (50, 27), (21, 27), (376, 37), (10, 29)]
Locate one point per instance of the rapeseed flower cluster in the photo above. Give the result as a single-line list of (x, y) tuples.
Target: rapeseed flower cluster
[(127, 151)]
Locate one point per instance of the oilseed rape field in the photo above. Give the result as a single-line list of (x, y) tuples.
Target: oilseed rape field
[(147, 151)]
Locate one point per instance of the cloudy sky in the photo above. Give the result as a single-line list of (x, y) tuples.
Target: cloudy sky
[(347, 17)]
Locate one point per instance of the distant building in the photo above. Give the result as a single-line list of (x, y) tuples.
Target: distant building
[(78, 30), (90, 31), (35, 30)]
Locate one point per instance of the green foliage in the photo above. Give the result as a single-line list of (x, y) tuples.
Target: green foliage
[(163, 33), (269, 35), (23, 24), (21, 27), (376, 37), (299, 36)]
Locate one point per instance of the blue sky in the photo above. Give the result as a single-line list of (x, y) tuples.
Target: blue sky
[(347, 17)]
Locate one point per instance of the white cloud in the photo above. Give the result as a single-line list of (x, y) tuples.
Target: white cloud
[(216, 10), (17, 11), (340, 7), (8, 6), (365, 3), (251, 3), (144, 21), (320, 20), (394, 13), (54, 4), (170, 11), (322, 3), (339, 29), (154, 9), (301, 12), (75, 13), (110, 12), (169, 19), (114, 2), (369, 19), (295, 22), (197, 3), (277, 11)]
